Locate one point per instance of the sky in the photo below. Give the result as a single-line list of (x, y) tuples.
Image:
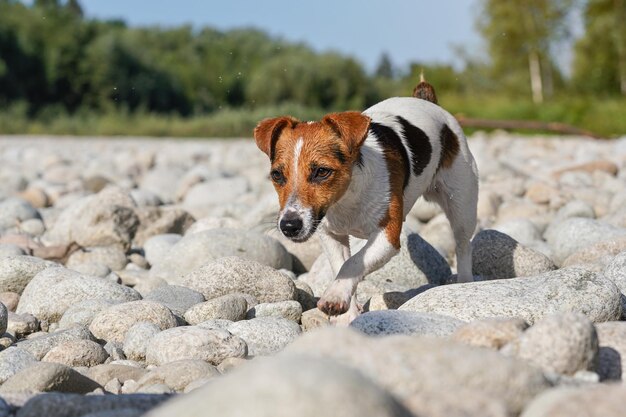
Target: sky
[(408, 30)]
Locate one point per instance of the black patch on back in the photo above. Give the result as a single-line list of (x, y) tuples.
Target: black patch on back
[(418, 143), (449, 147), (391, 142)]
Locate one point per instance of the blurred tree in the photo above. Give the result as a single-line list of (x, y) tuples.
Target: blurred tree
[(521, 37), (384, 69), (74, 7), (327, 81), (600, 54)]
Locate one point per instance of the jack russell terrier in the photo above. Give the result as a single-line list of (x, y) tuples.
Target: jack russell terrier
[(359, 174)]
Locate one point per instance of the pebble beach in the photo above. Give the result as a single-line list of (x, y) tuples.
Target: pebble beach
[(146, 277)]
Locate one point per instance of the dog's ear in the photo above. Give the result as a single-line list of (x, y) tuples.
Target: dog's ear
[(267, 132), (351, 126)]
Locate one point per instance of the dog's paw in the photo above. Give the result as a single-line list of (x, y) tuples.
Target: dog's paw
[(333, 307), (336, 299), (346, 318)]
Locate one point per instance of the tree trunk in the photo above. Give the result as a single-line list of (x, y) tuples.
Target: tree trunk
[(535, 77), (548, 77)]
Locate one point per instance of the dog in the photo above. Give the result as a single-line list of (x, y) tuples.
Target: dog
[(359, 174)]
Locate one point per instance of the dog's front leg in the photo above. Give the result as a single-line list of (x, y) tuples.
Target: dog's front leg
[(336, 248), (376, 253)]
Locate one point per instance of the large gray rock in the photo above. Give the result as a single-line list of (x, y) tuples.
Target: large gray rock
[(4, 318), (156, 247), (563, 343), (162, 220), (304, 253), (178, 374), (59, 405), (319, 276), (198, 249), (493, 332), (288, 309), (162, 181), (103, 219), (231, 307), (476, 381), (598, 255), (612, 353), (17, 271), (48, 377), (233, 274), (14, 359), (273, 389), (616, 272), (113, 323), (266, 335), (19, 325), (215, 192), (574, 234), (602, 400), (532, 298), (522, 230), (176, 298), (13, 211), (39, 346), (83, 312), (9, 249), (54, 290), (106, 372), (77, 353), (138, 338), (386, 322), (193, 342), (114, 257), (498, 256)]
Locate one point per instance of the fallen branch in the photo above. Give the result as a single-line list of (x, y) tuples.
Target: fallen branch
[(554, 127)]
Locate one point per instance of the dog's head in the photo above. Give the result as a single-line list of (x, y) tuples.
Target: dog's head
[(311, 165)]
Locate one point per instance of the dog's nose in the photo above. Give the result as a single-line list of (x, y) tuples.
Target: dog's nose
[(290, 225)]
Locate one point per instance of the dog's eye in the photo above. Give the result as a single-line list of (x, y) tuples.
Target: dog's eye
[(321, 173), (277, 176)]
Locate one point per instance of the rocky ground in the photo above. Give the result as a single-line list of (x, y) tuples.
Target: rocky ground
[(146, 276)]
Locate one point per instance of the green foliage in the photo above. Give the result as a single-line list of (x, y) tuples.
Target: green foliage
[(384, 69), (62, 73), (598, 54), (520, 32), (50, 55)]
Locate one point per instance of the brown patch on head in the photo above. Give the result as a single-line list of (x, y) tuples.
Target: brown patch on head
[(449, 147), (350, 126), (267, 132), (326, 152), (425, 91)]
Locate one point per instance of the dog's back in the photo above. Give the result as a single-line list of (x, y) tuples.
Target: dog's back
[(431, 139)]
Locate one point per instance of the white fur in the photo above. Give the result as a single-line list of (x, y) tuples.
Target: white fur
[(297, 149), (293, 203), (359, 211)]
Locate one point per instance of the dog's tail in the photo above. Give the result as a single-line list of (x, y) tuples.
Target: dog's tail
[(424, 90)]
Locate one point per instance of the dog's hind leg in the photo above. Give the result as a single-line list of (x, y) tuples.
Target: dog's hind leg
[(458, 195)]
